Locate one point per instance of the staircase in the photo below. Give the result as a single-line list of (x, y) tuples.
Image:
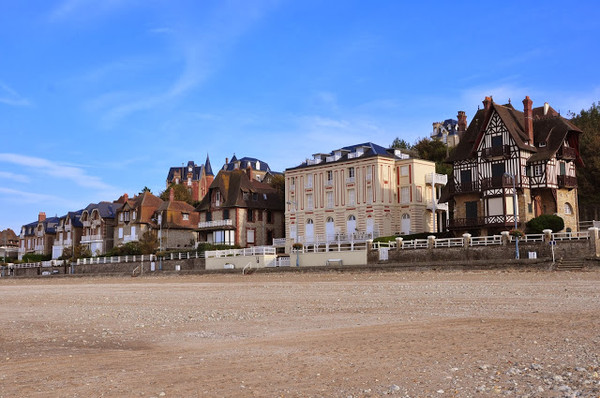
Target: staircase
[(572, 264)]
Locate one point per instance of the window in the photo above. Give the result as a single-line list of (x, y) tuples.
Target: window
[(121, 233), (208, 216), (254, 196), (350, 172), (496, 141), (246, 196), (563, 169), (309, 181), (260, 215), (419, 194), (250, 215), (225, 214), (405, 195), (250, 236), (133, 235), (330, 200), (309, 201), (269, 217), (351, 197), (218, 198), (369, 194), (126, 216), (134, 215), (404, 171), (329, 175), (120, 216), (568, 209), (185, 216), (538, 170), (498, 169)]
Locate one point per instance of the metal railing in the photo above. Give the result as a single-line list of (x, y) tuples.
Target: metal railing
[(215, 223), (250, 251)]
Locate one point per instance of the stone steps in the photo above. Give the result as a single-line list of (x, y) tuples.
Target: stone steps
[(569, 264)]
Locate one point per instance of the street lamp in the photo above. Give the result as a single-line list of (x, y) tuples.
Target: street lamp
[(160, 240), (296, 237), (512, 177)]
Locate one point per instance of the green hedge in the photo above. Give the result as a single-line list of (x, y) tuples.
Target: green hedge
[(545, 221)]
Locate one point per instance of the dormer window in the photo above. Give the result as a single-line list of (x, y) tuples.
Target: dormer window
[(185, 216), (217, 198), (134, 215), (542, 144), (126, 216)]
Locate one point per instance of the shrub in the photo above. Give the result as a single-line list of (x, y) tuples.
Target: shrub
[(35, 258), (545, 221)]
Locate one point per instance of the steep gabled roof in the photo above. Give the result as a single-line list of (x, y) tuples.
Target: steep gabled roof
[(548, 127), (233, 186), (245, 162)]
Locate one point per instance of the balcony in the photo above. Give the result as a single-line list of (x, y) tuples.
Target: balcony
[(496, 151), (91, 238), (438, 206), (87, 223), (464, 187), (507, 221), (215, 224), (567, 182), (496, 182), (436, 179), (350, 180), (566, 153)]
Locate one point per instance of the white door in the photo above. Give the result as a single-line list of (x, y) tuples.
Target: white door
[(351, 225), (405, 224), (330, 229), (309, 231), (370, 225)]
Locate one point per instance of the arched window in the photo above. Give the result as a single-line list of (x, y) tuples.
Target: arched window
[(405, 224), (309, 230), (351, 224), (568, 208)]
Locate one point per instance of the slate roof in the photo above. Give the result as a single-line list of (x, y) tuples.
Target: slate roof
[(145, 199), (451, 127), (245, 162), (196, 170), (233, 184), (550, 128), (371, 150), (105, 209), (75, 217)]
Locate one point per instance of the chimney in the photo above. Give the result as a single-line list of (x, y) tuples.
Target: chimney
[(462, 123), (249, 172), (487, 102), (125, 197), (41, 216), (546, 108), (528, 114), (171, 195)]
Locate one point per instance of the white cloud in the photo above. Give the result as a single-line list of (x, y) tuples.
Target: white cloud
[(12, 176), (9, 96), (48, 167), (30, 197)]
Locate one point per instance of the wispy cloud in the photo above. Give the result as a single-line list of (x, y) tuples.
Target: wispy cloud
[(54, 169), (9, 96), (83, 8), (31, 197), (12, 176), (201, 46)]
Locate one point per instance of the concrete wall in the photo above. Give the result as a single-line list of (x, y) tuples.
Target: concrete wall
[(357, 257), (239, 262), (563, 249)]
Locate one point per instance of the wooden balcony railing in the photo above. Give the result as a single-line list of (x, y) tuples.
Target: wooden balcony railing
[(567, 182)]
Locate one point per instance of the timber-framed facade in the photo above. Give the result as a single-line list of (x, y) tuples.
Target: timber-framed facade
[(505, 153)]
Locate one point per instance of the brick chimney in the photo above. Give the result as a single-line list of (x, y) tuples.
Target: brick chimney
[(249, 172), (462, 122), (528, 114), (171, 195), (41, 216), (487, 102)]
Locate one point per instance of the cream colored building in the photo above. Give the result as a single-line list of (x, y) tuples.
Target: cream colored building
[(364, 191)]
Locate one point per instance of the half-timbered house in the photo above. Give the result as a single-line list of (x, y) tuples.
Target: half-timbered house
[(530, 155)]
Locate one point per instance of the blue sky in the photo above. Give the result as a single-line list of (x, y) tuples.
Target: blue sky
[(101, 98)]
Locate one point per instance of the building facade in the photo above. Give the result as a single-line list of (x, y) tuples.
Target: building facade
[(195, 178), (177, 223), (362, 189), (135, 217), (507, 154), (240, 210), (99, 220), (68, 233), (38, 237)]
